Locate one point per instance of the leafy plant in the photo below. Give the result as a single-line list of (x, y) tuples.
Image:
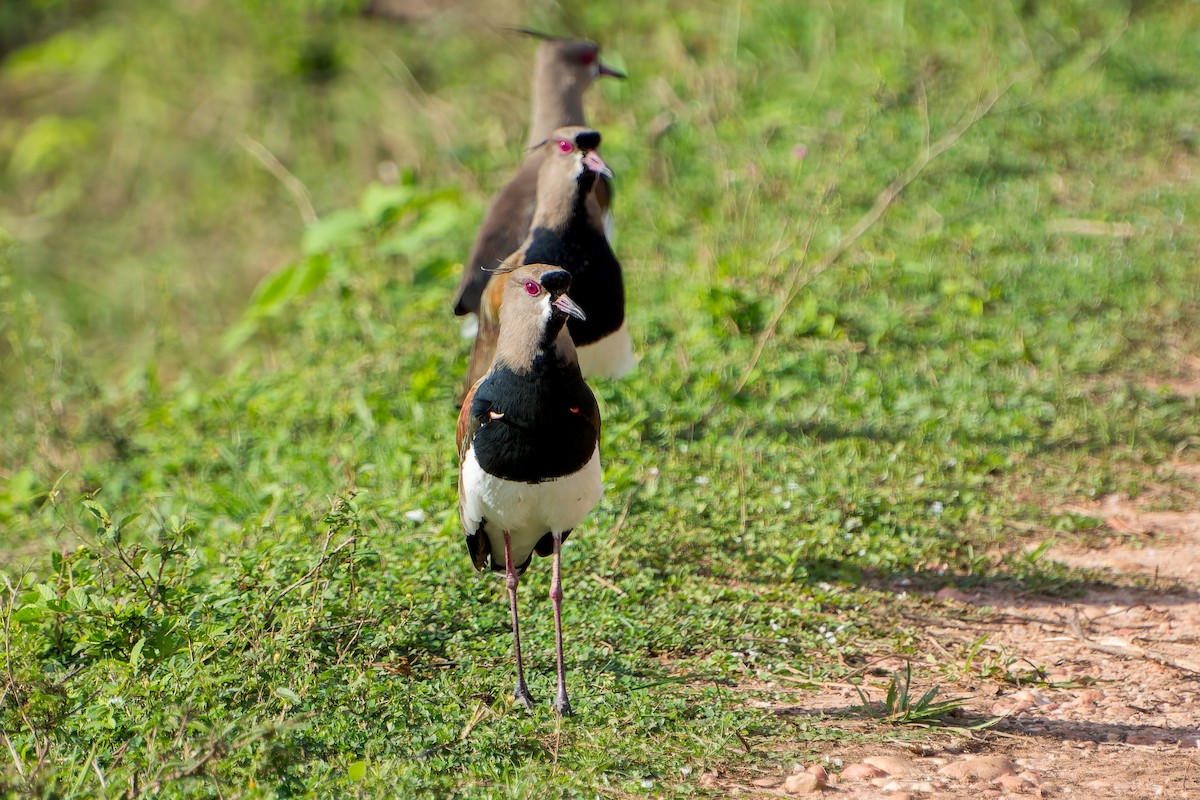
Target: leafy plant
[(899, 708), (390, 221)]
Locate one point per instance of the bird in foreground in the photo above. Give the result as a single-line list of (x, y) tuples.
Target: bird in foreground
[(529, 447), (564, 70), (568, 232)]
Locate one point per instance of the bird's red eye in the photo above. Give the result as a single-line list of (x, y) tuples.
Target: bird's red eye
[(532, 287), (564, 146), (588, 57)]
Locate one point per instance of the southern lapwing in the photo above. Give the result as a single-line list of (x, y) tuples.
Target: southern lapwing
[(529, 446), (568, 232), (564, 70)]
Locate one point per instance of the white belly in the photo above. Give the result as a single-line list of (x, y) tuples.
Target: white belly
[(528, 511), (611, 357)]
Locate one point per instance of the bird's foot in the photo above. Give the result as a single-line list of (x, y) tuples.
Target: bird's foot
[(562, 706), (522, 695)]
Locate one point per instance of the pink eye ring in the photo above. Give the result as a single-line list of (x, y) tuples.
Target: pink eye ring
[(564, 146), (532, 288)]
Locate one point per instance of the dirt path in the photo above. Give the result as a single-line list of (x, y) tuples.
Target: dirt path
[(1116, 713)]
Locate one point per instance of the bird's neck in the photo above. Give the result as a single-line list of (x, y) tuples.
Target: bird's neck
[(557, 103), (561, 348), (576, 206), (549, 348)]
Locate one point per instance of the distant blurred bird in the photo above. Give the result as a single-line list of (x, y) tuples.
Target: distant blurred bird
[(564, 70), (529, 446), (568, 231)]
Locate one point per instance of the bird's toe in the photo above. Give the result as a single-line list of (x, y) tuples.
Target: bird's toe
[(521, 695)]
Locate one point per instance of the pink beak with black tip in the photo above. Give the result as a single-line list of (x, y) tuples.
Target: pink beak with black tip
[(610, 72), (592, 160), (569, 307)]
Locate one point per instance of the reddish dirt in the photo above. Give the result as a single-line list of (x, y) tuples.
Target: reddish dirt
[(1184, 384), (1113, 707)]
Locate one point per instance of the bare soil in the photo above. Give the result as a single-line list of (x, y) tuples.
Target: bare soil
[(1097, 696)]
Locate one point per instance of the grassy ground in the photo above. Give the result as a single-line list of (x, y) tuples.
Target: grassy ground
[(230, 543)]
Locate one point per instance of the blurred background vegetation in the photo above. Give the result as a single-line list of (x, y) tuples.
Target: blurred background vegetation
[(134, 138), (157, 160)]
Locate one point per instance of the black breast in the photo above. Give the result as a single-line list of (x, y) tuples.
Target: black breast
[(548, 426), (596, 283)]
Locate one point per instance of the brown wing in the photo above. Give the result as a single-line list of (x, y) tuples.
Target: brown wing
[(484, 349), (467, 425), (503, 229)]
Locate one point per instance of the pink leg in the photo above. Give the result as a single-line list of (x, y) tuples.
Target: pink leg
[(561, 704), (510, 580)]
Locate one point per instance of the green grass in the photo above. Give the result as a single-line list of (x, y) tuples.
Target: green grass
[(229, 532)]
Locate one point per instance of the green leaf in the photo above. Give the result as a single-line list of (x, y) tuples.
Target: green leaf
[(135, 654), (96, 510), (77, 597), (287, 694), (288, 283), (28, 614), (274, 289), (311, 274), (338, 229), (380, 202)]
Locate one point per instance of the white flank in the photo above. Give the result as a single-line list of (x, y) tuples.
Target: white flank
[(610, 227), (527, 511), (470, 326), (611, 357)]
